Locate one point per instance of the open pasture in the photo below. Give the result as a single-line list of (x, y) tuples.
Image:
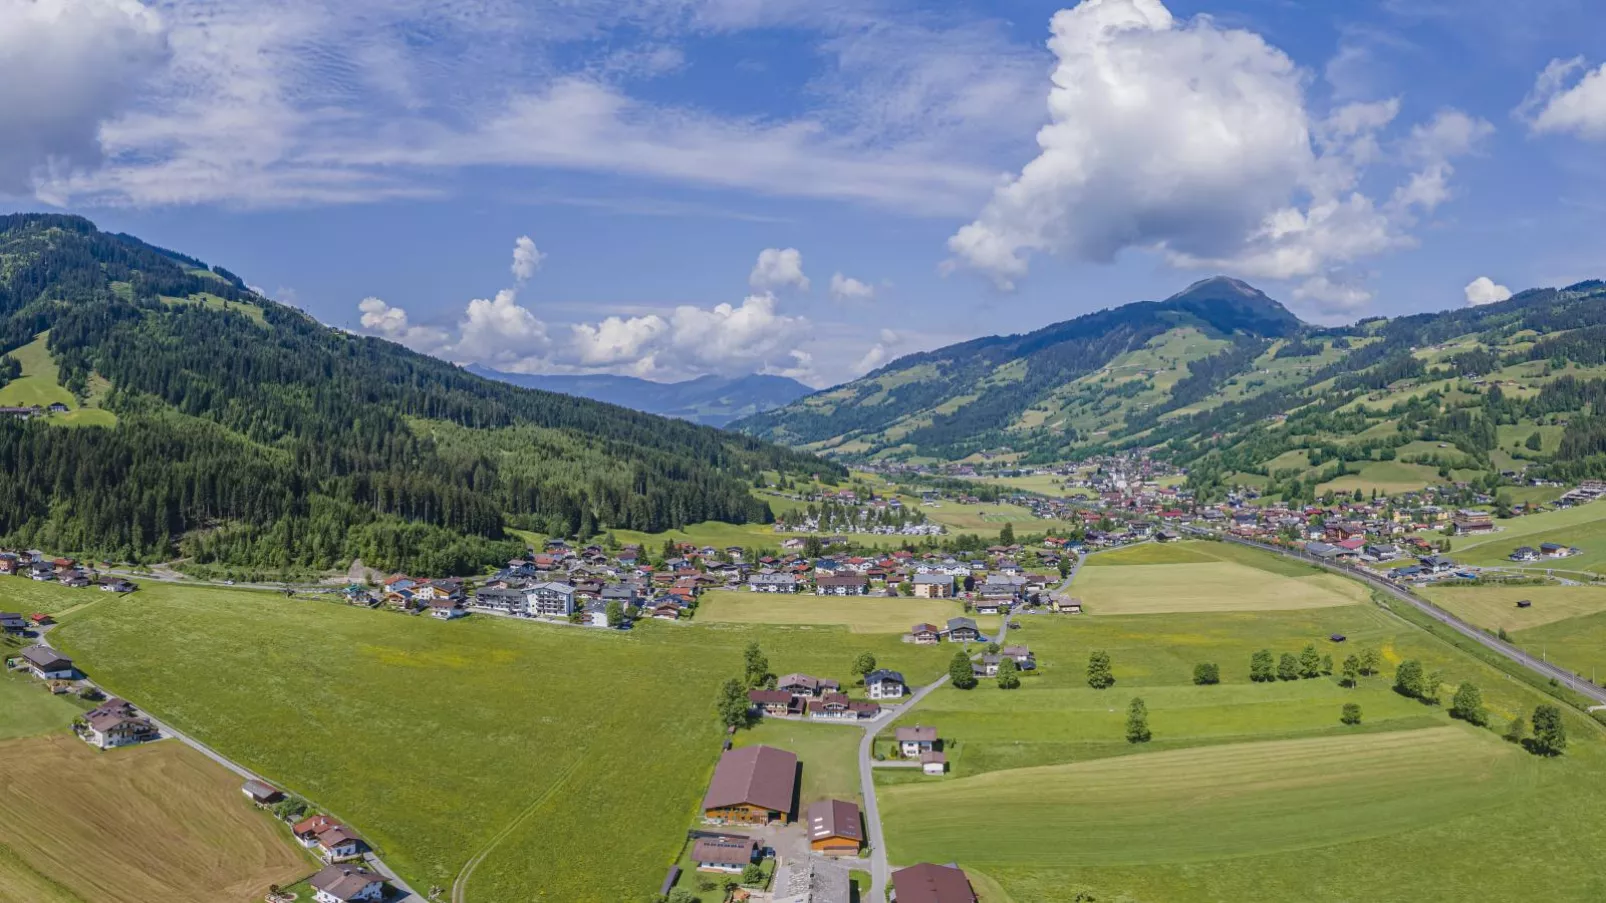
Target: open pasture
[(1205, 577), (432, 738), (158, 822), (860, 614), (1495, 607), (29, 709)]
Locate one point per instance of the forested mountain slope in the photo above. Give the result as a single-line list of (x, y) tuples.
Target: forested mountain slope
[(711, 400), (247, 433)]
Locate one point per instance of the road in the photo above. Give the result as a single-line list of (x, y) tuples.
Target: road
[(1538, 666)]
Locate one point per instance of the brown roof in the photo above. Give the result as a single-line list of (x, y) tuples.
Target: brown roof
[(725, 850), (834, 818), (312, 824), (769, 697), (928, 883), (841, 580), (46, 658), (334, 835), (343, 881), (916, 734), (755, 775)]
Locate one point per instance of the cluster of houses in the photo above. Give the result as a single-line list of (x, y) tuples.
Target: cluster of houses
[(1546, 550), (822, 699), (36, 565), (28, 412)]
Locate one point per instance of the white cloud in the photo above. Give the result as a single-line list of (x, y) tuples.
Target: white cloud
[(1194, 140), (1333, 293), (1555, 106), (391, 322), (1484, 290), (846, 288), (66, 67), (779, 268), (879, 353), (526, 258)]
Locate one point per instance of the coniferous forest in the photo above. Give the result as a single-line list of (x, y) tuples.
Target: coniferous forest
[(280, 442)]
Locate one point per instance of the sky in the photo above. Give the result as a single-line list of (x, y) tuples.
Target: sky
[(671, 188)]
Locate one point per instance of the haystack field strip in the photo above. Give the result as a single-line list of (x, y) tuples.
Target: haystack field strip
[(860, 614), (1207, 803), (1495, 607), (157, 822)]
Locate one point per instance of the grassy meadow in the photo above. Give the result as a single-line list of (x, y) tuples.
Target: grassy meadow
[(860, 614), (433, 738), (1247, 791), (157, 822), (1205, 577), (29, 709), (40, 384)]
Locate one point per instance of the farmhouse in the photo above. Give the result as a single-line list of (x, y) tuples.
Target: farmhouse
[(912, 741), (925, 634), (962, 630), (834, 827), (775, 702), (724, 853), (753, 785), (933, 586), (116, 723), (928, 883), (884, 684), (347, 884), (1556, 550), (46, 663)]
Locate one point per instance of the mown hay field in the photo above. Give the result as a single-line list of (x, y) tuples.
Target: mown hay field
[(1205, 577), (860, 614)]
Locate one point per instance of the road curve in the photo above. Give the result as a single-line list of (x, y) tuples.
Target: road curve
[(1538, 666)]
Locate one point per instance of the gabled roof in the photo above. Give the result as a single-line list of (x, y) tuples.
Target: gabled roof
[(344, 882), (833, 818), (754, 775), (928, 883)]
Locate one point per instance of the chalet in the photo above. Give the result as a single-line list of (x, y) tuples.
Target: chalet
[(832, 707), (347, 884), (804, 685), (116, 723), (261, 792), (775, 702), (666, 610), (929, 883), (962, 630), (446, 608), (1555, 550), (753, 785), (724, 853), (337, 843), (842, 584), (986, 666), (926, 634), (884, 684), (1069, 605), (306, 830), (834, 827), (1524, 553), (1022, 655), (46, 663), (933, 762), (912, 741), (772, 583)]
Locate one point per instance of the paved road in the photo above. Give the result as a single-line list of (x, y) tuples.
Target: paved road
[(879, 870), (1538, 666)]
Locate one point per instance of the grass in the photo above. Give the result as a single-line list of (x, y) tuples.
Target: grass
[(988, 517), (1385, 476), (1205, 577), (828, 753), (858, 614), (215, 302), (1529, 530), (40, 385), (466, 726), (158, 822), (1247, 791), (29, 709), (1495, 608)]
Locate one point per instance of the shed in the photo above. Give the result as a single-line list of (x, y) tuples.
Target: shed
[(1525, 603)]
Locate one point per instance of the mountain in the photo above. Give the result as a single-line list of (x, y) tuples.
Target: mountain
[(1224, 381), (212, 423), (709, 400), (1039, 391)]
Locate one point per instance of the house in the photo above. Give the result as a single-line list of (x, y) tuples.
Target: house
[(926, 634), (57, 407), (116, 585), (1068, 605), (753, 785), (549, 600), (832, 707), (841, 585), (261, 792), (804, 685), (1436, 564), (992, 606), (1466, 521), (1524, 553), (306, 830), (772, 583), (1556, 550), (1407, 572), (962, 630), (834, 827), (932, 586), (337, 843), (933, 762), (986, 666), (12, 622), (928, 883), (775, 702), (46, 663), (446, 609), (884, 684), (912, 741), (1022, 655), (116, 723), (347, 884), (724, 853), (1382, 552)]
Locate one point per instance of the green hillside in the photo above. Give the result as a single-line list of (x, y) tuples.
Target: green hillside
[(240, 431)]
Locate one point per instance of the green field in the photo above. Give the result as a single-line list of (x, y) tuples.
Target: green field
[(40, 384), (860, 614), (29, 709), (1205, 577), (215, 302), (1385, 476), (988, 518), (432, 738), (26, 596), (1583, 527), (828, 753), (1247, 791), (1495, 607)]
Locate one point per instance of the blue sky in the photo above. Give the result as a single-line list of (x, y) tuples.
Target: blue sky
[(814, 188)]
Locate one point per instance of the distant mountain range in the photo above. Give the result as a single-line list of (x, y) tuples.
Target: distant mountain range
[(709, 400)]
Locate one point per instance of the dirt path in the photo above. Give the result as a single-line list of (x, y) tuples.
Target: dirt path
[(460, 886)]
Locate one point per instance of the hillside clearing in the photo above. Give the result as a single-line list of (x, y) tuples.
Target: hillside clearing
[(40, 386), (158, 822)]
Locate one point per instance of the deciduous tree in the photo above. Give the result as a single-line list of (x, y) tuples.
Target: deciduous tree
[(1310, 662), (863, 664), (1008, 674), (1100, 676), (1351, 713), (1288, 667), (732, 704), (1467, 704), (1206, 673), (1550, 734), (1371, 661), (1262, 667), (757, 665), (1408, 679), (1516, 730), (1351, 674), (960, 673), (1137, 722)]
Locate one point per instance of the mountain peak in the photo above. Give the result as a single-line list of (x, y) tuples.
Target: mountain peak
[(1234, 305), (1220, 288)]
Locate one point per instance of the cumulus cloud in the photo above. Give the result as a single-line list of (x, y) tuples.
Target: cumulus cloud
[(526, 258), (846, 288), (1335, 292), (879, 353), (382, 319), (1484, 290), (1194, 140), (66, 67), (1554, 105), (778, 268)]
